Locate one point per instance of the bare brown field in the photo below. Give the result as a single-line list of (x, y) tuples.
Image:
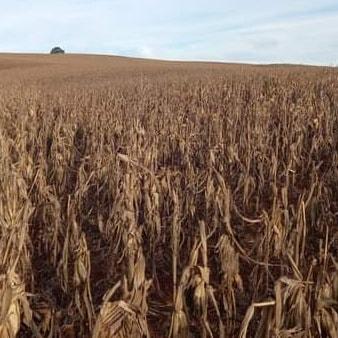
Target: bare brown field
[(167, 199)]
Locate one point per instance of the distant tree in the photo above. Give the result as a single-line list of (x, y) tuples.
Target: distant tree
[(57, 50)]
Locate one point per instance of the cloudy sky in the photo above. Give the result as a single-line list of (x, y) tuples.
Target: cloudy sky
[(293, 31)]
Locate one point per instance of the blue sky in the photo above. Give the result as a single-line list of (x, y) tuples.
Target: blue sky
[(295, 31)]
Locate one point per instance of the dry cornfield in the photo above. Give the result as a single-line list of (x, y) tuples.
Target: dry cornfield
[(164, 199)]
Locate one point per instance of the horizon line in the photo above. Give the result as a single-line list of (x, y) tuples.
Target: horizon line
[(218, 61)]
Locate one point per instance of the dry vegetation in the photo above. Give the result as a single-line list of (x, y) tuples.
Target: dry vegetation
[(154, 199)]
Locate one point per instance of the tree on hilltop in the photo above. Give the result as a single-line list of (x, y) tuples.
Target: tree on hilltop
[(57, 50)]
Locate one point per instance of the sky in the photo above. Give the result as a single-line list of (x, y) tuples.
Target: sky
[(261, 31)]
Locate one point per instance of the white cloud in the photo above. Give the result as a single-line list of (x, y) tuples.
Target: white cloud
[(146, 51)]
